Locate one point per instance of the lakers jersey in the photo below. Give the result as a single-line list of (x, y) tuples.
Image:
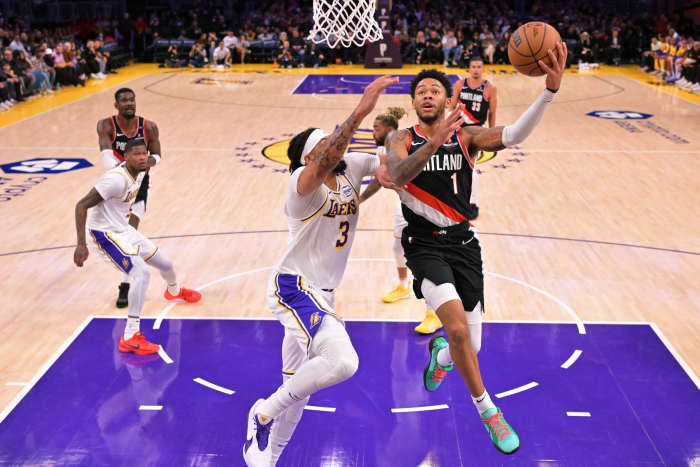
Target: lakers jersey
[(120, 138), (322, 224), (118, 189), (440, 195), (476, 104)]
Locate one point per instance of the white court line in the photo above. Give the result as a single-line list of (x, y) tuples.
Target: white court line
[(319, 409), (522, 388), (675, 354), (16, 383), (574, 356), (298, 84), (150, 407), (166, 358), (578, 414), (424, 408), (10, 407), (213, 386), (161, 315)]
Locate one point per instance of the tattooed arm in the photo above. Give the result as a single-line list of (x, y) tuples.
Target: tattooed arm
[(329, 151)]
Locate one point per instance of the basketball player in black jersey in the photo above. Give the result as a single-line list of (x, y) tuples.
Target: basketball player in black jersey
[(434, 161), (113, 133)]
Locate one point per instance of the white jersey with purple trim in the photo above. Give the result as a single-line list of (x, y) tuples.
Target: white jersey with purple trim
[(118, 190), (322, 224)]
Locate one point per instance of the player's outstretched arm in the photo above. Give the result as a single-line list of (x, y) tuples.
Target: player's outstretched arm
[(497, 138), (329, 151), (93, 198), (404, 168), (104, 136), (153, 143)]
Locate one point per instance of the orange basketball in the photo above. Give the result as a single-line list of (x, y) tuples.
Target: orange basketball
[(529, 44)]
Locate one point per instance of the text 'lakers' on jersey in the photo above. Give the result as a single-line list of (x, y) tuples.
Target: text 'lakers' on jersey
[(440, 195), (322, 224), (476, 105), (118, 189), (120, 138)]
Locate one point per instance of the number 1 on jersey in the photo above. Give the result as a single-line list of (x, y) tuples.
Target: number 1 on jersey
[(454, 182), (343, 229)]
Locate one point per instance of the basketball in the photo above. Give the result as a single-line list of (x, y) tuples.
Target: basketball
[(529, 44)]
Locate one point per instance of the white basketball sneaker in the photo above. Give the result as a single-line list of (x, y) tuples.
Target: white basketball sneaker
[(256, 449)]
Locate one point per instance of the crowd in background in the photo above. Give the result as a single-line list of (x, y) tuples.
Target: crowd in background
[(449, 32)]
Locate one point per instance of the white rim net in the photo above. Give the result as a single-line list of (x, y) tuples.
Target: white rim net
[(344, 22)]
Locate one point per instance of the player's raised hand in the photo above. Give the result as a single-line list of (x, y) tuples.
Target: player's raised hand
[(80, 255), (556, 72), (372, 92), (448, 126)]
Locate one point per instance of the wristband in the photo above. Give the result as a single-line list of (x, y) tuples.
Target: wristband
[(156, 157), (553, 91)]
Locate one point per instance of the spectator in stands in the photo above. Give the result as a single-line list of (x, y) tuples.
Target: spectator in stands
[(94, 61), (614, 48), (65, 74), (314, 57), (11, 80), (18, 44), (285, 58), (173, 60), (690, 71), (434, 46), (298, 44), (449, 47), (198, 57), (19, 69), (39, 80), (232, 43)]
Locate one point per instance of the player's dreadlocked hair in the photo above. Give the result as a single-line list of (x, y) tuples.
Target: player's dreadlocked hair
[(296, 147), (435, 74), (391, 117)]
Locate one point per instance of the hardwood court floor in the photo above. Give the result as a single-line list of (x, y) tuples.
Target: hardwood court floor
[(600, 214)]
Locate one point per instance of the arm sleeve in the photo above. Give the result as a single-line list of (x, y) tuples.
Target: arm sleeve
[(111, 185), (518, 131), (108, 158), (301, 207)]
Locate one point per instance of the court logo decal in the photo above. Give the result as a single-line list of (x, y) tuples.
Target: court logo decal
[(619, 115), (11, 188), (45, 166)]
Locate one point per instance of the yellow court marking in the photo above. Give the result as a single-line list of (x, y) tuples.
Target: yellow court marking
[(70, 94)]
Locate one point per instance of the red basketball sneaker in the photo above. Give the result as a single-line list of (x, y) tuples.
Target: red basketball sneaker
[(138, 344), (187, 295)]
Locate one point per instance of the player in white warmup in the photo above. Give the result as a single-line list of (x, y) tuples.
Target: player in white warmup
[(121, 244), (385, 124), (322, 209)]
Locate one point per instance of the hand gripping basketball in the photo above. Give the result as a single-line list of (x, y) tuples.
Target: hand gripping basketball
[(556, 72)]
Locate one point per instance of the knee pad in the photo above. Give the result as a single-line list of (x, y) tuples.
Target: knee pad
[(474, 322), (437, 295)]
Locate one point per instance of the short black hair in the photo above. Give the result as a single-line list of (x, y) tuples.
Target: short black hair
[(121, 91), (477, 58), (296, 147), (132, 143), (434, 74)]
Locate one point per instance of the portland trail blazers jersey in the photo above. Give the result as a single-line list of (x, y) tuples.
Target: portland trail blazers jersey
[(440, 195), (119, 137), (476, 104)]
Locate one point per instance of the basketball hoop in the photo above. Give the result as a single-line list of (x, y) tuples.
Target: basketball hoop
[(344, 22)]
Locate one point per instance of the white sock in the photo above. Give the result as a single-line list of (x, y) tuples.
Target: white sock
[(444, 357), (404, 283), (285, 424), (125, 278), (132, 327), (483, 402), (174, 289)]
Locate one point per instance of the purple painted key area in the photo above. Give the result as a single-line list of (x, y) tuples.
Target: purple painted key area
[(85, 410), (353, 84)]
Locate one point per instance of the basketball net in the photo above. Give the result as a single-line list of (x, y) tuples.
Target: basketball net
[(344, 22)]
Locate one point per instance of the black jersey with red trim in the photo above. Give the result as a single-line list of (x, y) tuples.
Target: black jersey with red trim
[(475, 102), (440, 195), (120, 137)]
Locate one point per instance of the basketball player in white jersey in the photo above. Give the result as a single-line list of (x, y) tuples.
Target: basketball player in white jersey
[(322, 209), (383, 128), (122, 245)]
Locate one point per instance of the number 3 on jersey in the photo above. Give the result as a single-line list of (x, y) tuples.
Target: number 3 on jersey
[(343, 229)]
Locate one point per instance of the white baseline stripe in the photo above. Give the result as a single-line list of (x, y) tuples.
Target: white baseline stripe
[(319, 409), (16, 383), (522, 388), (574, 356), (578, 414), (424, 408), (213, 386), (166, 358), (675, 354), (150, 407), (6, 411), (161, 315)]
